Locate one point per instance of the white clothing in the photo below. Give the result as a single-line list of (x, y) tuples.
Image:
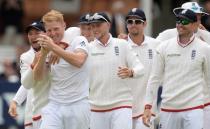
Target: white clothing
[(184, 70), (115, 119), (107, 90), (192, 119), (69, 83), (145, 54), (72, 116)]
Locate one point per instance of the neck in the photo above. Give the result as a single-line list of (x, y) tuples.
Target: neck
[(137, 39), (184, 39), (104, 39)]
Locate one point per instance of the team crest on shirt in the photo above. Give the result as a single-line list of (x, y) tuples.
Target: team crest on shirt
[(193, 54), (21, 63), (116, 50), (82, 43), (150, 53)]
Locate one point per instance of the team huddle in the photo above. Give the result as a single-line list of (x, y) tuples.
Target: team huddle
[(83, 78)]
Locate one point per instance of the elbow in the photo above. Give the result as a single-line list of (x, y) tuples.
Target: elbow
[(26, 84), (79, 64)]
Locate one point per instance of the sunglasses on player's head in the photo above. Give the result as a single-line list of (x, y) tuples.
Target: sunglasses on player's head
[(96, 16), (136, 21), (183, 21)]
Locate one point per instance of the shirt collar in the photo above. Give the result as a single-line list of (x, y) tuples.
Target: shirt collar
[(108, 42), (135, 45), (184, 45)]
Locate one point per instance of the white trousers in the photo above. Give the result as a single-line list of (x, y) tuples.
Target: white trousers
[(192, 119), (206, 117), (29, 127), (37, 124), (138, 123), (115, 119), (74, 116)]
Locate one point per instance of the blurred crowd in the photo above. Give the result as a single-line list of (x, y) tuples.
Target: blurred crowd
[(12, 34)]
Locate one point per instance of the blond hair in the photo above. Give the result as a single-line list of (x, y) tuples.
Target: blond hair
[(53, 15)]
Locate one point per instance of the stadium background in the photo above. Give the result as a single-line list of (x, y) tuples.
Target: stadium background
[(13, 41)]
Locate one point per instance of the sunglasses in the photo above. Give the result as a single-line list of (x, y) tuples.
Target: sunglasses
[(136, 21), (96, 16), (183, 21)]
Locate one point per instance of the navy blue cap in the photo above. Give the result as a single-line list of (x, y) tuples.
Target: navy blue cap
[(99, 17), (85, 19), (38, 25), (187, 14), (137, 13)]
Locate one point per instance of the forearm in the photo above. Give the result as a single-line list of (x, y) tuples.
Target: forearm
[(27, 79), (20, 96), (40, 68), (74, 58)]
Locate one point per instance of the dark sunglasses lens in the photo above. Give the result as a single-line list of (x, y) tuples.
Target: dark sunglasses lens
[(138, 22), (130, 21), (185, 22), (134, 21)]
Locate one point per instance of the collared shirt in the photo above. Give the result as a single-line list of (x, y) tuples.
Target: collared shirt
[(106, 44), (145, 53), (185, 44)]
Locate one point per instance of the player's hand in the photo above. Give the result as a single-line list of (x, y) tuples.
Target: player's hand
[(122, 36), (146, 117), (124, 72), (46, 42), (53, 58), (13, 109)]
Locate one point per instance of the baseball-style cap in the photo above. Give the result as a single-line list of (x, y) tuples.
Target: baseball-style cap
[(36, 25), (137, 13), (99, 17), (188, 15), (85, 19), (194, 6)]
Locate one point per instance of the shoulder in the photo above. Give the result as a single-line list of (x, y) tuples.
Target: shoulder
[(167, 34), (27, 55), (167, 44), (70, 33), (121, 42), (152, 41), (167, 31)]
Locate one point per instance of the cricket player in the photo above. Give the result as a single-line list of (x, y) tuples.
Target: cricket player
[(182, 65), (111, 63), (68, 106), (85, 27), (203, 35), (28, 60), (144, 46), (22, 95)]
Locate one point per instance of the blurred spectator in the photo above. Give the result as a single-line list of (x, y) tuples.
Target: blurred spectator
[(206, 19), (118, 18), (12, 13), (10, 73)]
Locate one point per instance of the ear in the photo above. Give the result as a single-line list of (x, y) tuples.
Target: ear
[(64, 25)]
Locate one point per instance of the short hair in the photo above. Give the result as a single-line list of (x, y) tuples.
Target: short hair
[(53, 15)]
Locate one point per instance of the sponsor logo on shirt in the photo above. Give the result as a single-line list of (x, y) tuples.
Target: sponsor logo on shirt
[(97, 54), (173, 55), (116, 49), (193, 54)]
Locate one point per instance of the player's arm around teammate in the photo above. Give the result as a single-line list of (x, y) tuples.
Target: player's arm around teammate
[(76, 58)]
